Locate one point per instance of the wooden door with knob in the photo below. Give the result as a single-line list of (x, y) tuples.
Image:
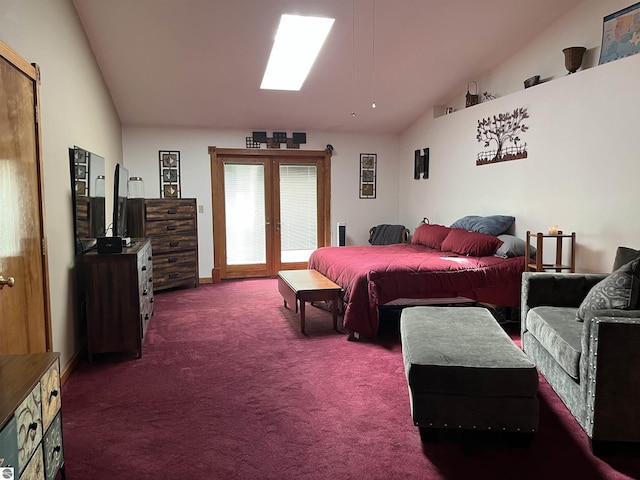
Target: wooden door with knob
[(24, 299)]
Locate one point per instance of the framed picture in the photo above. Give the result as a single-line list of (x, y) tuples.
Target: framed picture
[(169, 174), (368, 165), (620, 34)]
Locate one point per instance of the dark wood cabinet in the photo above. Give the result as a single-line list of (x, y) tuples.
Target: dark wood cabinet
[(119, 298), (172, 226), (30, 418)]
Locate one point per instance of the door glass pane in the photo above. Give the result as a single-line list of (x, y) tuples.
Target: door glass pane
[(245, 213), (298, 212)]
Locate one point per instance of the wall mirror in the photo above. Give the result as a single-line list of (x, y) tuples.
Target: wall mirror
[(88, 197)]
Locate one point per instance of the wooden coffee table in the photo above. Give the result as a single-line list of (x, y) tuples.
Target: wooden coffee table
[(308, 286)]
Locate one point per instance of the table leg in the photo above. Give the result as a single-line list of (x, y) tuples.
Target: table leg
[(302, 302)]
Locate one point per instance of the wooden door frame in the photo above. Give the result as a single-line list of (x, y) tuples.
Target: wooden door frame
[(217, 184), (32, 71)]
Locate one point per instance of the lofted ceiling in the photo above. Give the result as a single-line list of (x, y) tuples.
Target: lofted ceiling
[(199, 63)]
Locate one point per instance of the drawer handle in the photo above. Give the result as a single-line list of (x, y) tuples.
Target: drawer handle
[(172, 211), (173, 259), (171, 227), (149, 258), (54, 393), (146, 316), (145, 292), (174, 275), (174, 244), (56, 449), (150, 279), (144, 268), (151, 300), (33, 426)]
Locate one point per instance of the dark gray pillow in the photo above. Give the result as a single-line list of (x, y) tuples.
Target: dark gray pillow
[(619, 290), (513, 247), (492, 225), (624, 255)]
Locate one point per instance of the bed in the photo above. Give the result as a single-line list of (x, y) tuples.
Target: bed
[(440, 262)]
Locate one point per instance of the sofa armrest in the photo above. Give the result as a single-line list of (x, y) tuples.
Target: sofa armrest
[(555, 289), (612, 381)]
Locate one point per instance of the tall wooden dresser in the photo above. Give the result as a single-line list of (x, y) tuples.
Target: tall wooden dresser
[(172, 226), (30, 418), (119, 298)]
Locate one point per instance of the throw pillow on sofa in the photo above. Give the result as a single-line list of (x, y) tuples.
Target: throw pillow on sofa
[(620, 290), (624, 255)]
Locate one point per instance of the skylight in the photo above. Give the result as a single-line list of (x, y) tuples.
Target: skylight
[(296, 46)]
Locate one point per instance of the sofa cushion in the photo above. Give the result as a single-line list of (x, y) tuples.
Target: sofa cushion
[(556, 330), (620, 290)]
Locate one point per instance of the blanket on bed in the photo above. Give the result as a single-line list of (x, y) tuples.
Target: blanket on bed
[(374, 275)]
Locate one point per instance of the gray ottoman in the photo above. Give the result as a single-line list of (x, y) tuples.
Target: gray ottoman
[(464, 372)]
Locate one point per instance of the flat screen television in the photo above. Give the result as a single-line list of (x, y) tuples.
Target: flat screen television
[(120, 195)]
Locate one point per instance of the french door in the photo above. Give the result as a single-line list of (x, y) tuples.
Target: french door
[(270, 210)]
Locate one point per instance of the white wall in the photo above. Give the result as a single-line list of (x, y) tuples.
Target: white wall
[(76, 109), (142, 144), (582, 163)]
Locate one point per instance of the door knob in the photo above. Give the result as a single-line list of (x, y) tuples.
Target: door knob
[(9, 281)]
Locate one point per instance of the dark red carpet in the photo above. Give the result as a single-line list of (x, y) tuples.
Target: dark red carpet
[(228, 388)]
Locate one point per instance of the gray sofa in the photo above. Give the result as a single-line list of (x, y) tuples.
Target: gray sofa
[(583, 333)]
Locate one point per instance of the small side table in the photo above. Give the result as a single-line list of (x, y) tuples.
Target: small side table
[(558, 266)]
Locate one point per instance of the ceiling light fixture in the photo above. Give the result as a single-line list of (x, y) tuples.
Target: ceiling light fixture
[(353, 58), (373, 56), (297, 44)]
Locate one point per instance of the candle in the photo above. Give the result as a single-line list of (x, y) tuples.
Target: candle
[(553, 230)]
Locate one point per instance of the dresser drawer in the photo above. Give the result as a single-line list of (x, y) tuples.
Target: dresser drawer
[(174, 269), (29, 425), (174, 243), (53, 454), (171, 208), (35, 469), (50, 391), (171, 227), (9, 445)]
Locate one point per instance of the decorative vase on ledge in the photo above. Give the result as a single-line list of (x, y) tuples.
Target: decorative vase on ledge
[(573, 58)]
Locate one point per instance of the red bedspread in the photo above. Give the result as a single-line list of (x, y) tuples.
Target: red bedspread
[(375, 275)]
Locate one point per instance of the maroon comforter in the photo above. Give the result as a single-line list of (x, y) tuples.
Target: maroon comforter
[(375, 275)]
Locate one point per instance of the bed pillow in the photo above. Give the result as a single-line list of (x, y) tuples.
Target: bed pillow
[(513, 246), (470, 243), (430, 235), (491, 225), (619, 290)]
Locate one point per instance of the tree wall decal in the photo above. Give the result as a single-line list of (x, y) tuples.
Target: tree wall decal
[(502, 129)]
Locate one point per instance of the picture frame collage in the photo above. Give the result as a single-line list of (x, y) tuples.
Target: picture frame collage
[(368, 175), (81, 165), (169, 163)]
